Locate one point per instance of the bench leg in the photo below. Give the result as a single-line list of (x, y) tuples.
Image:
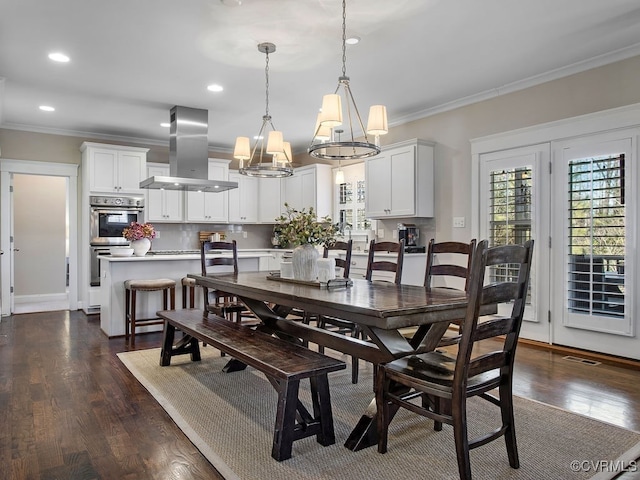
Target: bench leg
[(283, 434), (167, 344), (322, 409), (187, 344)]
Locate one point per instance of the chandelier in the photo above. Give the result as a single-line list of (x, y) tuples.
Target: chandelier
[(326, 143), (258, 163)]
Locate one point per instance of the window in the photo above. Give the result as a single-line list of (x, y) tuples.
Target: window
[(510, 213), (597, 235)]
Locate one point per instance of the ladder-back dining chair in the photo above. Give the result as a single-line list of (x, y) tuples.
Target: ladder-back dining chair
[(445, 382), (385, 264), (340, 325), (213, 260), (449, 266)]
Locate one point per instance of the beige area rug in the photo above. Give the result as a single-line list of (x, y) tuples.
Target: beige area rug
[(230, 417)]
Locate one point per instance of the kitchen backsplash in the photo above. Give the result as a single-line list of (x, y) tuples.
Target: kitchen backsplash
[(184, 236)]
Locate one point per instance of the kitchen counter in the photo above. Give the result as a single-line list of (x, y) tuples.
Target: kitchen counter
[(186, 256), (115, 270)]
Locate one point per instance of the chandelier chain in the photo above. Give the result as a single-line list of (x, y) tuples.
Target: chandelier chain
[(266, 73), (344, 38)]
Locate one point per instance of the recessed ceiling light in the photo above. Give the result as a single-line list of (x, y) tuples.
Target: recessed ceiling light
[(231, 3), (165, 125), (352, 40), (46, 108), (258, 137), (215, 88), (59, 57)]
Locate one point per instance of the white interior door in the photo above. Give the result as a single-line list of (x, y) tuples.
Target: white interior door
[(514, 207), (594, 226)]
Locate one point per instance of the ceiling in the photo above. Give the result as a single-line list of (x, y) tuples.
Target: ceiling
[(131, 61)]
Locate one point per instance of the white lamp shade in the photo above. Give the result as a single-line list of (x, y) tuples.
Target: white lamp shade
[(322, 132), (331, 115), (242, 150), (275, 143), (377, 124)]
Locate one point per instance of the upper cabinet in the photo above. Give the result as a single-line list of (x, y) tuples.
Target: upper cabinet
[(113, 168), (400, 181), (270, 204), (210, 207), (163, 205), (309, 186), (243, 201)]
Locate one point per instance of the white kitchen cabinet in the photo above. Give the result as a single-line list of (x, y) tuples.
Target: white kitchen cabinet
[(113, 168), (309, 186), (270, 204), (400, 181), (243, 201), (210, 207), (163, 205)]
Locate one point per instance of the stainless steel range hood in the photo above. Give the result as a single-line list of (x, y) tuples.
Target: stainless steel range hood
[(188, 155)]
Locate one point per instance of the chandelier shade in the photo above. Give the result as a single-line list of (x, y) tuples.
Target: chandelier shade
[(326, 143), (264, 160)]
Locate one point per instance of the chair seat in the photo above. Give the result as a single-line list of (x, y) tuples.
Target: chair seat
[(434, 371), (150, 284)]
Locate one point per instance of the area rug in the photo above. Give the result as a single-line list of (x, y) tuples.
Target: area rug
[(230, 418)]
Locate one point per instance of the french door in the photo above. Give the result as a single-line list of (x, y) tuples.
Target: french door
[(594, 222), (577, 199), (514, 207)]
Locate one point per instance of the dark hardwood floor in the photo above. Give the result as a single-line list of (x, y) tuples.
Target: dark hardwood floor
[(70, 410)]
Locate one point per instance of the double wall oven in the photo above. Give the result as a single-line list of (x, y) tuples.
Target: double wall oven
[(108, 217)]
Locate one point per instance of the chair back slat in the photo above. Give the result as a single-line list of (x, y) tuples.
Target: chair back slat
[(499, 293), (386, 265), (487, 362), (493, 328), (344, 263), (508, 292)]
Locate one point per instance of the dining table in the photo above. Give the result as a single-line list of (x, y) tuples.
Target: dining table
[(396, 320)]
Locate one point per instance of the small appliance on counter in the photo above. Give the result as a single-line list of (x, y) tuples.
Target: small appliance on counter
[(410, 234)]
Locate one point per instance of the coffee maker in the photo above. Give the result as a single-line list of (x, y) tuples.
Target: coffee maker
[(410, 234)]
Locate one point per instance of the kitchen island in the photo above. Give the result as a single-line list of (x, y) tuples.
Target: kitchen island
[(115, 270)]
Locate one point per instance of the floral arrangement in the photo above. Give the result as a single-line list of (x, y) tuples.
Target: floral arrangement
[(138, 231), (297, 227)]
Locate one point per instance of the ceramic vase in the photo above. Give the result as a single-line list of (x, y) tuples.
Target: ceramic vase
[(141, 247), (305, 262)]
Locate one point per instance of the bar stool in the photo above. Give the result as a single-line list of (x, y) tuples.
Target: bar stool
[(188, 283), (131, 287)]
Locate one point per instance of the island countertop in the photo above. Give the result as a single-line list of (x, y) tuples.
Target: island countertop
[(114, 271), (186, 256)]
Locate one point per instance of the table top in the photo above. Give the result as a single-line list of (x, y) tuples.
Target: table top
[(378, 304)]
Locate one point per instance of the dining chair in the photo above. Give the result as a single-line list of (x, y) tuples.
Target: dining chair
[(385, 264), (335, 324), (449, 264), (444, 382), (212, 260)]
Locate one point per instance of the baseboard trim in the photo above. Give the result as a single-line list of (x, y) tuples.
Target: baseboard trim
[(601, 357)]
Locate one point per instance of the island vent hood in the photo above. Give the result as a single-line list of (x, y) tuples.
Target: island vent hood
[(188, 155)]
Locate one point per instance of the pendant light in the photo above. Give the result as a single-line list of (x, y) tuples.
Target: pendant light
[(324, 143), (258, 163)]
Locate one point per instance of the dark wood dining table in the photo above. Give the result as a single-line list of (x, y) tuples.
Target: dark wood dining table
[(381, 309)]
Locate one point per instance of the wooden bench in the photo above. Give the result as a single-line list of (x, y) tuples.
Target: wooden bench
[(283, 363)]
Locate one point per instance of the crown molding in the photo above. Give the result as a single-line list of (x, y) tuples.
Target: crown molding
[(578, 67)]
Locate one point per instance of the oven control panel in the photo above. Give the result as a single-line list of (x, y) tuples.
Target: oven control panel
[(104, 201)]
